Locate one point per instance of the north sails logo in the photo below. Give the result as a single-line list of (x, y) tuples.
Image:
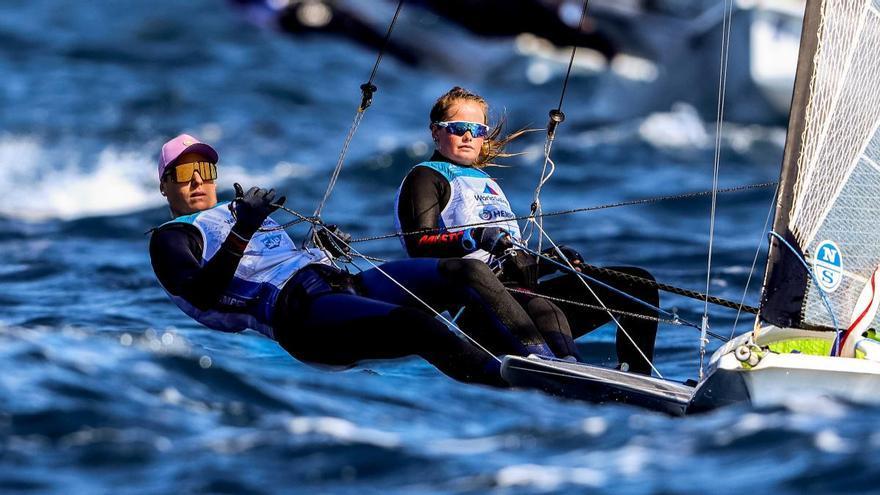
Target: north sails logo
[(828, 266)]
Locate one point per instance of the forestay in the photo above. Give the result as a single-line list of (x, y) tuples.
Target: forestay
[(829, 201)]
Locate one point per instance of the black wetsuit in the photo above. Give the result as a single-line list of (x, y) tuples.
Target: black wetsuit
[(423, 195), (329, 317)]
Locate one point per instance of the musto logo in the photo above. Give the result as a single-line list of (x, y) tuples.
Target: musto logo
[(492, 212), (828, 266)]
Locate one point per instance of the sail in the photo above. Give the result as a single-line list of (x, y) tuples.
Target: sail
[(828, 206)]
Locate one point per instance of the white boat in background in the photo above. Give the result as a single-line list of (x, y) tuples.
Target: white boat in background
[(814, 334)]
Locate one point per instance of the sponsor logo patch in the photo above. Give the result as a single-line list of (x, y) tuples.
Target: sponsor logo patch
[(492, 212), (828, 266), (271, 241)]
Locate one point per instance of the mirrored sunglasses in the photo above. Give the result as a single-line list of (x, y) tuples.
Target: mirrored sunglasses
[(185, 171), (460, 127)]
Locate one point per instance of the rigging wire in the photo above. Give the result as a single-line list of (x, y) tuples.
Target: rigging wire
[(755, 260), (367, 91), (450, 324), (586, 266), (569, 268), (719, 125), (596, 297), (675, 320), (670, 288), (556, 117), (634, 202), (641, 316)]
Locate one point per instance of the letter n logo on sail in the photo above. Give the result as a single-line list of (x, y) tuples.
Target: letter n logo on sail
[(828, 266)]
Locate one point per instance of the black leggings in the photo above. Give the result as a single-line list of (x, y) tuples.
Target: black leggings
[(551, 322), (382, 321), (584, 320)]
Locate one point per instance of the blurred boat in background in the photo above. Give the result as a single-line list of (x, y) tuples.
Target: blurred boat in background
[(666, 48), (643, 56)]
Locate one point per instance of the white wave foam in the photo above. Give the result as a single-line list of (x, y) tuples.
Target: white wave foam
[(680, 128), (829, 441), (548, 478), (467, 446), (594, 426), (342, 430), (41, 183)]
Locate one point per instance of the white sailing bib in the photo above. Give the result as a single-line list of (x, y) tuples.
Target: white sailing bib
[(474, 198)]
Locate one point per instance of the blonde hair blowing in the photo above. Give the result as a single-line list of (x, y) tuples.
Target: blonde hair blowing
[(493, 145)]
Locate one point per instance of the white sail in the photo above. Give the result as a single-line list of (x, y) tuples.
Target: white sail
[(832, 210)]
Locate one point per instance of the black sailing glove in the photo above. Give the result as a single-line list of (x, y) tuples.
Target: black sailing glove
[(495, 240), (572, 255), (252, 208), (332, 240)]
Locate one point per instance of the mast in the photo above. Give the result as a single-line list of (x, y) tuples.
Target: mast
[(785, 278), (827, 211)]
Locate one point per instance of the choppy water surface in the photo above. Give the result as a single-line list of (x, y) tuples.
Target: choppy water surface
[(107, 388)]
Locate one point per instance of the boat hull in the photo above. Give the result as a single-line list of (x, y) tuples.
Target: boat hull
[(596, 384), (773, 379)]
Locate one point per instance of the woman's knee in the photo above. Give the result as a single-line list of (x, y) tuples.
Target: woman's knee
[(547, 315), (537, 307)]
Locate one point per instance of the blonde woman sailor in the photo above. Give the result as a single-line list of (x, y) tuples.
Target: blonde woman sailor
[(453, 188)]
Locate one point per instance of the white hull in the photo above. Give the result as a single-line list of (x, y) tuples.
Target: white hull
[(778, 378)]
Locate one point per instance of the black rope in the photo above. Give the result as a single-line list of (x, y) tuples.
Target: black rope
[(586, 267), (300, 219), (633, 202), (669, 288), (315, 222), (670, 321)]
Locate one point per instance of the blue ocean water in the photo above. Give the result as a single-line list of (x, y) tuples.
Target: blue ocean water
[(106, 387)]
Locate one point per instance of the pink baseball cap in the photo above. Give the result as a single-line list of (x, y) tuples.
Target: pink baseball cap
[(180, 145)]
